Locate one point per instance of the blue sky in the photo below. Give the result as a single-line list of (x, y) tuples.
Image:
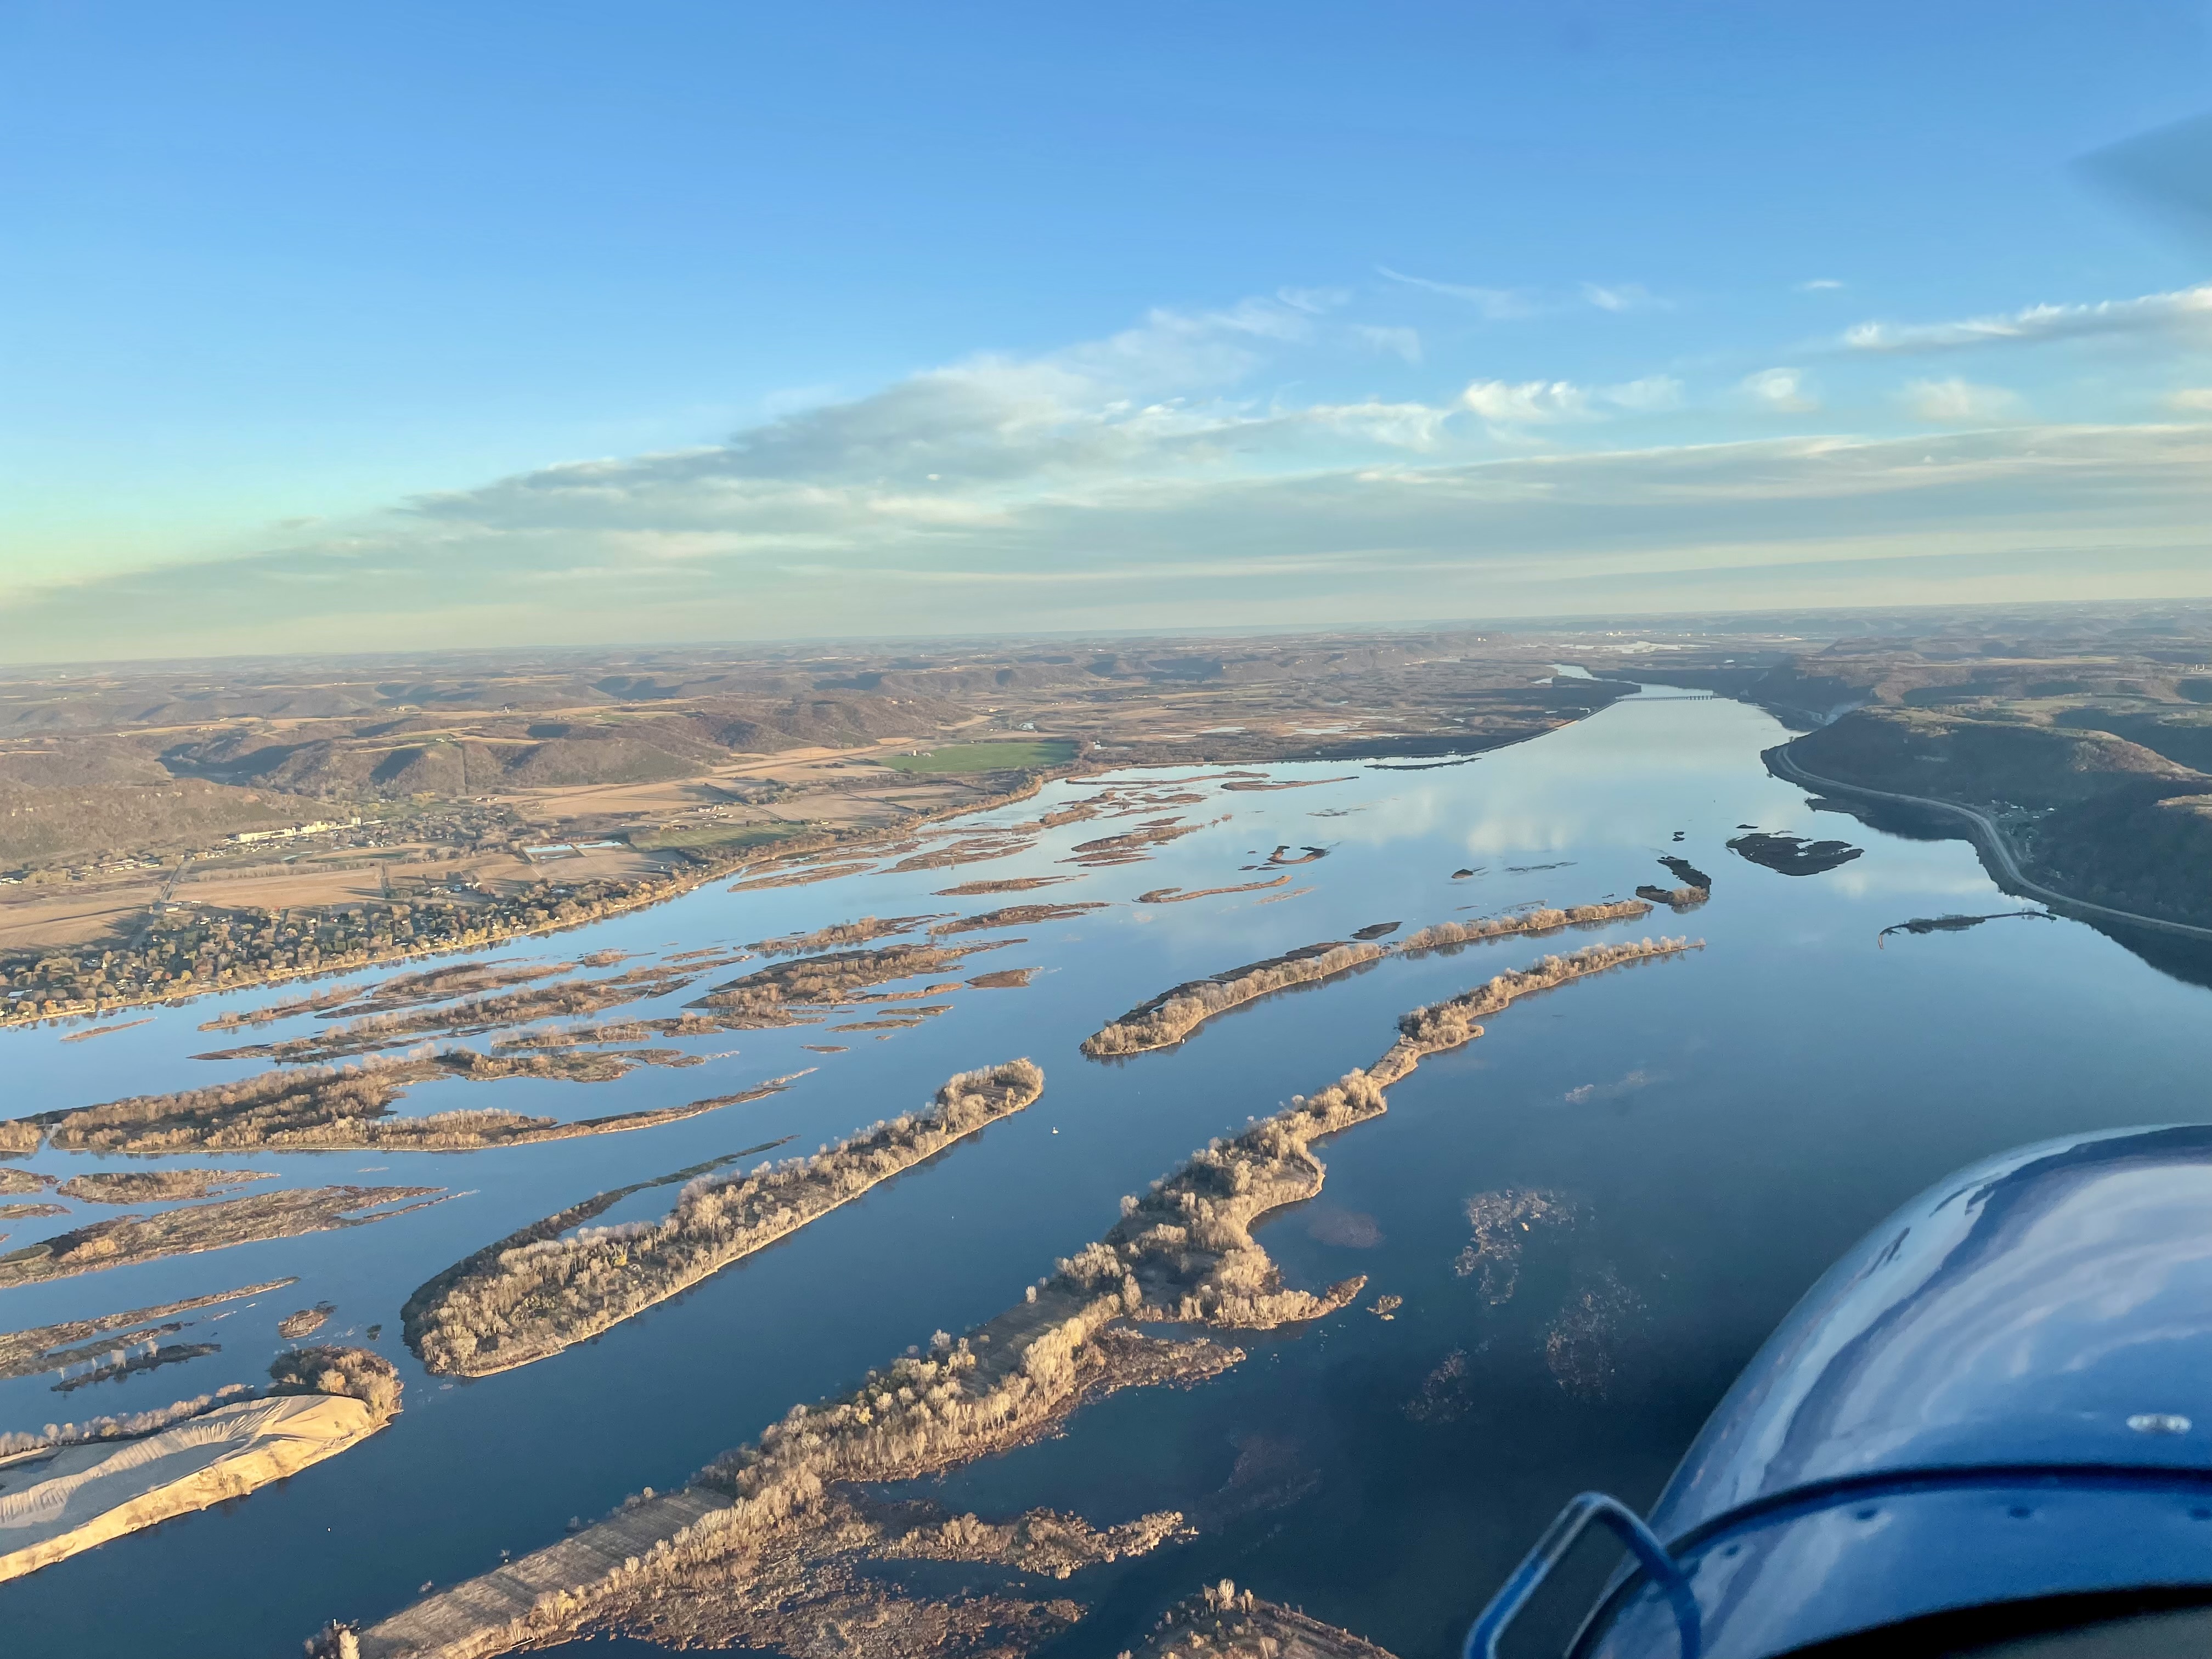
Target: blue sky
[(413, 326)]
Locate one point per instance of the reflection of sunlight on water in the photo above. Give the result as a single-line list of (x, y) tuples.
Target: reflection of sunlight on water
[(1944, 1053), (1415, 813), (1881, 881), (1663, 749), (1504, 833)]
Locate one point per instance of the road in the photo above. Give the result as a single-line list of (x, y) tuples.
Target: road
[(1987, 836)]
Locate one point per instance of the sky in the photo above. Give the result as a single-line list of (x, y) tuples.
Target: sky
[(401, 327)]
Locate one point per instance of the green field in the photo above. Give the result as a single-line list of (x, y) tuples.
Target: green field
[(1025, 754), (725, 835)]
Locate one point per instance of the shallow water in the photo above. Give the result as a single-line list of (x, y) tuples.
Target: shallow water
[(1720, 1126)]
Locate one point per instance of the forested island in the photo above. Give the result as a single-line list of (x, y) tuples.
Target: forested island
[(48, 1347), (340, 1109), (800, 991), (1174, 1014), (123, 1240), (155, 1186), (1221, 1622), (182, 952), (1533, 922), (538, 1298), (188, 953), (682, 1568), (389, 1022)]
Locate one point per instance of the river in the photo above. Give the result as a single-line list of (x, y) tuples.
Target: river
[(1709, 1132)]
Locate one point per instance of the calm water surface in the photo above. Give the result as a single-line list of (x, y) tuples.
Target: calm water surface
[(1719, 1127)]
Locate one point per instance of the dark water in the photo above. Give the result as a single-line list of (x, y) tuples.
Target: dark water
[(1719, 1127)]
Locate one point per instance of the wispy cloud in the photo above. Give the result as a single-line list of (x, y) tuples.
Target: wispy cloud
[(1819, 285), (1649, 396), (1544, 402), (1497, 304), (1140, 480), (1960, 402), (1530, 402), (1623, 297), (2191, 400), (1780, 391), (1257, 524), (1398, 341), (2182, 311)]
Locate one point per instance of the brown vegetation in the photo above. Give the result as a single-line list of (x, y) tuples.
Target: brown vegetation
[(129, 1239), (1521, 923), (1015, 884), (762, 1552), (181, 956), (24, 1181), (1170, 1017), (1131, 847), (1043, 1541), (535, 1299), (43, 1348), (2095, 816), (799, 877), (1221, 1622), (306, 1321), (344, 1108), (1185, 1251), (107, 1030), (717, 1563), (1173, 1015), (1176, 896), (157, 1186), (1013, 915), (165, 760), (465, 979), (838, 933), (114, 1364), (354, 1372), (782, 994), (385, 1029), (976, 849), (128, 1425)]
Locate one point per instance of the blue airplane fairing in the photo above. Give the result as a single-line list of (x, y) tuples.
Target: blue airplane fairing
[(2001, 1399)]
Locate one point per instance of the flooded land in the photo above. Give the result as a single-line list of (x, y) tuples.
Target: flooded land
[(331, 1108), (537, 1298), (1427, 1184), (125, 1240), (1182, 1253)]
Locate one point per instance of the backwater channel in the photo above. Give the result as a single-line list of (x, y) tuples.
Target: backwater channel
[(1715, 1128)]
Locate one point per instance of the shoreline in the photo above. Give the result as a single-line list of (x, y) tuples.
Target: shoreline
[(790, 850), (1170, 1019), (1987, 839), (238, 1449), (674, 885), (549, 1295), (659, 1565)]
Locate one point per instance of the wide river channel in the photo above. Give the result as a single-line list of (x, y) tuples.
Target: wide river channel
[(1706, 1134)]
